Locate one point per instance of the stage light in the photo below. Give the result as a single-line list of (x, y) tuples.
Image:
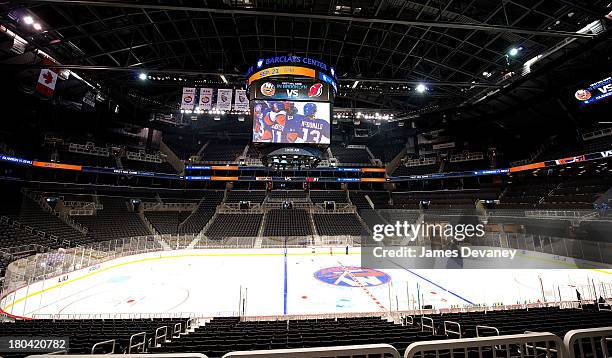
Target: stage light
[(37, 26), (142, 76), (486, 74), (514, 51), (421, 88), (28, 20), (355, 84)]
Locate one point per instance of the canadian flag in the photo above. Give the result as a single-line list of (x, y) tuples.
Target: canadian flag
[(46, 80)]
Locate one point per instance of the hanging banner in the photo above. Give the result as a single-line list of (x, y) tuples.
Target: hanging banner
[(241, 102), (206, 98), (188, 100), (47, 80), (224, 99)]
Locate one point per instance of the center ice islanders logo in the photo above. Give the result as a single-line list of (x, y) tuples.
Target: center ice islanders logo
[(352, 276)]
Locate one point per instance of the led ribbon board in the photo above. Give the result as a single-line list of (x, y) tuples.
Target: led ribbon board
[(595, 92), (292, 66)]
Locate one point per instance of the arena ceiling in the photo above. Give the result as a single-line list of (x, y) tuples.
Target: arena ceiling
[(459, 49)]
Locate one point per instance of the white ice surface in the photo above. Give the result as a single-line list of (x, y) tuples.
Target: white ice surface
[(212, 282)]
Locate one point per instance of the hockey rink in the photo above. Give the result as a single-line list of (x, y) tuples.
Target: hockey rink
[(218, 282)]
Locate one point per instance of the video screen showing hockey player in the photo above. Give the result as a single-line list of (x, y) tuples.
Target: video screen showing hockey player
[(291, 122)]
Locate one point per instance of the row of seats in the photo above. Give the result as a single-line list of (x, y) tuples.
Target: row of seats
[(339, 224), (32, 214), (234, 225), (319, 196), (114, 221), (166, 222), (223, 150), (292, 222), (254, 196), (223, 335), (203, 213), (83, 334), (350, 155)]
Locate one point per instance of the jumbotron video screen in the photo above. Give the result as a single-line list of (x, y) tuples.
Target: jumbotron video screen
[(291, 122)]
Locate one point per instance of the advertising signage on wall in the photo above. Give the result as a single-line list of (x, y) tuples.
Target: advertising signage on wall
[(595, 92), (294, 90)]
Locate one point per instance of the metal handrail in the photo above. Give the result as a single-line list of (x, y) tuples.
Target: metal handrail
[(576, 336), (336, 351), (104, 343), (177, 330), (406, 322), (464, 344), (604, 347), (142, 355), (158, 336), (604, 306), (423, 325), (480, 328), (448, 330), (140, 346)]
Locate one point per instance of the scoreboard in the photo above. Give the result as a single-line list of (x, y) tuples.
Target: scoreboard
[(291, 101)]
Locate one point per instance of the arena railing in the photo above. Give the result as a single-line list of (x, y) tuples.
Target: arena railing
[(25, 271), (576, 214), (59, 262), (382, 350), (604, 347), (586, 342), (529, 344), (413, 315), (140, 355), (560, 246)]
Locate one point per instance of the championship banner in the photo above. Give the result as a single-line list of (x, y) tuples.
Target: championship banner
[(188, 100), (206, 98), (241, 102), (47, 80), (224, 99)]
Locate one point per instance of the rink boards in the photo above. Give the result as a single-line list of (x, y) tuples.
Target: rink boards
[(220, 282)]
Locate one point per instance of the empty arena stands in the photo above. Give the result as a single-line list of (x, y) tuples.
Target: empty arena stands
[(195, 222), (234, 225), (223, 335), (254, 196), (223, 150), (114, 221), (83, 334), (319, 196), (339, 224), (351, 155), (188, 179), (32, 214), (283, 222), (166, 222), (288, 195)]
